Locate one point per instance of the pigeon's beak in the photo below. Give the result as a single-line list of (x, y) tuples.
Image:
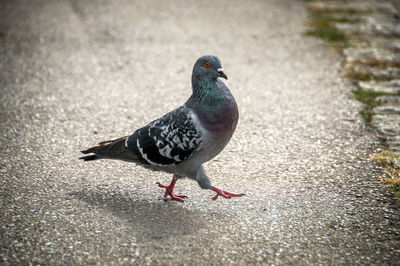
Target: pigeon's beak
[(221, 73)]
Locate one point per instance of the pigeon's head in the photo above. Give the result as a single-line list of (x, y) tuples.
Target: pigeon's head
[(208, 67)]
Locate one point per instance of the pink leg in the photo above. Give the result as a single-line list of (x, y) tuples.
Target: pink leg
[(169, 191), (224, 193)]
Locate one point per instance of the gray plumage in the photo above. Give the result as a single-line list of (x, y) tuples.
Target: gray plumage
[(182, 140)]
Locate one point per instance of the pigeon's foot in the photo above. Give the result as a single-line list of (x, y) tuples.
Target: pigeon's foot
[(224, 193), (169, 191)]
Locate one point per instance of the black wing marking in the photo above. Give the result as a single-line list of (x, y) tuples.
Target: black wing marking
[(168, 140)]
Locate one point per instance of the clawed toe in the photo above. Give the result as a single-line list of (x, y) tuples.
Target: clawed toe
[(161, 185), (174, 197), (224, 193), (170, 195), (169, 192)]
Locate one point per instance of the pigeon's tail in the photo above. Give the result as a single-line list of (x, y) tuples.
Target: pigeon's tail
[(89, 157), (110, 149)]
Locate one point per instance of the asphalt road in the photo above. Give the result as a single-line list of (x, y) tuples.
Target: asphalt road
[(77, 72)]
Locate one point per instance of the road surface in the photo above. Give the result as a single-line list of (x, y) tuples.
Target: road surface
[(74, 73)]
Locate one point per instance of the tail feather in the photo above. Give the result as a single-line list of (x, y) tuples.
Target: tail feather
[(85, 151), (89, 157), (110, 149)]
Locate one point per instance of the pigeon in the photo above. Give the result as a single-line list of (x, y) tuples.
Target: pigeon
[(182, 140)]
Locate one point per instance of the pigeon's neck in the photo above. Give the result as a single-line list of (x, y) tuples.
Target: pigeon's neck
[(209, 93), (203, 87), (214, 105)]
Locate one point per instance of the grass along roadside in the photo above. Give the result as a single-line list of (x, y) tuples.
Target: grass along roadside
[(363, 76), (391, 163), (369, 100), (323, 27), (322, 24)]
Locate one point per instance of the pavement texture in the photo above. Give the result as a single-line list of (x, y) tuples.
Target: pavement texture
[(77, 72), (372, 60)]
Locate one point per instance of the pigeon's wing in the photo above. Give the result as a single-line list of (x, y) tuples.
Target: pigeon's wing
[(168, 140)]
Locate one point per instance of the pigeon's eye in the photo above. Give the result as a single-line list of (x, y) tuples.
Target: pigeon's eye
[(207, 64)]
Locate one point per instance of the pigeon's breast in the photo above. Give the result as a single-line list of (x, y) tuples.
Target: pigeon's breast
[(215, 135), (220, 119), (219, 123)]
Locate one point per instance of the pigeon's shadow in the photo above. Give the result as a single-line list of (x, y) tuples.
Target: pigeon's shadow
[(149, 220)]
